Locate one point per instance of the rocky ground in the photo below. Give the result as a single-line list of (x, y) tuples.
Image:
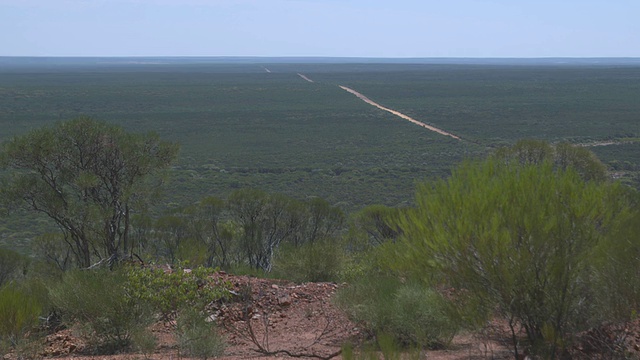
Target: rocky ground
[(271, 318)]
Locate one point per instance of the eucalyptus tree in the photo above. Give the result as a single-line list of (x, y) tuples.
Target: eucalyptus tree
[(88, 177), (266, 221)]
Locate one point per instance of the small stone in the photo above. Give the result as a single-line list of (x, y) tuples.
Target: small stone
[(274, 286), (284, 300)]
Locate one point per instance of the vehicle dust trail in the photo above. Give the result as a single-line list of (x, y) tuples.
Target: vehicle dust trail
[(398, 114), (304, 77)]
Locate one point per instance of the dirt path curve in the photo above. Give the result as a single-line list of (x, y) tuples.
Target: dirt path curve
[(398, 114), (304, 77)]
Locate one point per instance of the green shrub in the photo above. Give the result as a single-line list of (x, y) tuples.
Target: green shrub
[(415, 315), (615, 275), (99, 303), (385, 345), (318, 261), (531, 243), (18, 314), (244, 269), (197, 336), (421, 315), (167, 292), (12, 265)]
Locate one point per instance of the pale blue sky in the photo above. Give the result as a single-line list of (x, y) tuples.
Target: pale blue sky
[(349, 28)]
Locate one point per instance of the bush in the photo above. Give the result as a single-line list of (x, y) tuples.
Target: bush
[(98, 302), (415, 315), (616, 274), (318, 261), (386, 345), (12, 265), (18, 314), (421, 315), (197, 336), (527, 242), (167, 292)]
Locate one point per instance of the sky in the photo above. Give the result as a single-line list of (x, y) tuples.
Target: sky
[(332, 28)]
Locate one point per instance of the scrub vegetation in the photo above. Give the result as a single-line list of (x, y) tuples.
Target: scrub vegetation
[(120, 220)]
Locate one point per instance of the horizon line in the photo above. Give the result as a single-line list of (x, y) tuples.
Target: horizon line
[(318, 57)]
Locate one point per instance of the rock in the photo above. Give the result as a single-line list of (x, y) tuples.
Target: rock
[(284, 300)]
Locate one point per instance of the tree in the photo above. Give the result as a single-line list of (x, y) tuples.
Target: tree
[(172, 233), (12, 265), (266, 221), (207, 226), (563, 155), (319, 221), (378, 223), (87, 176), (522, 239)]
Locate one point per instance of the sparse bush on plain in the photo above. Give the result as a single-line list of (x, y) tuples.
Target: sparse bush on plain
[(198, 335), (19, 314), (167, 292), (414, 314), (315, 261), (12, 265), (98, 303), (526, 240)]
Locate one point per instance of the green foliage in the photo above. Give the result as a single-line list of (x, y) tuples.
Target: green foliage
[(415, 315), (12, 266), (169, 291), (198, 336), (171, 232), (320, 221), (19, 313), (87, 176), (266, 221), (563, 155), (99, 303), (242, 128), (616, 271), (315, 261), (53, 250), (212, 232), (377, 223), (519, 238)]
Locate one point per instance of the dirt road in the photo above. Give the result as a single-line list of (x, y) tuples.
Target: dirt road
[(604, 143), (304, 77), (399, 114)]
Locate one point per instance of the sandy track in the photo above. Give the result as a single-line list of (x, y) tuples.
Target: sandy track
[(399, 114), (604, 143), (304, 77)]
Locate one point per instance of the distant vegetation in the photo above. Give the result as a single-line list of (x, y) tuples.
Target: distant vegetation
[(241, 127), (280, 177)]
